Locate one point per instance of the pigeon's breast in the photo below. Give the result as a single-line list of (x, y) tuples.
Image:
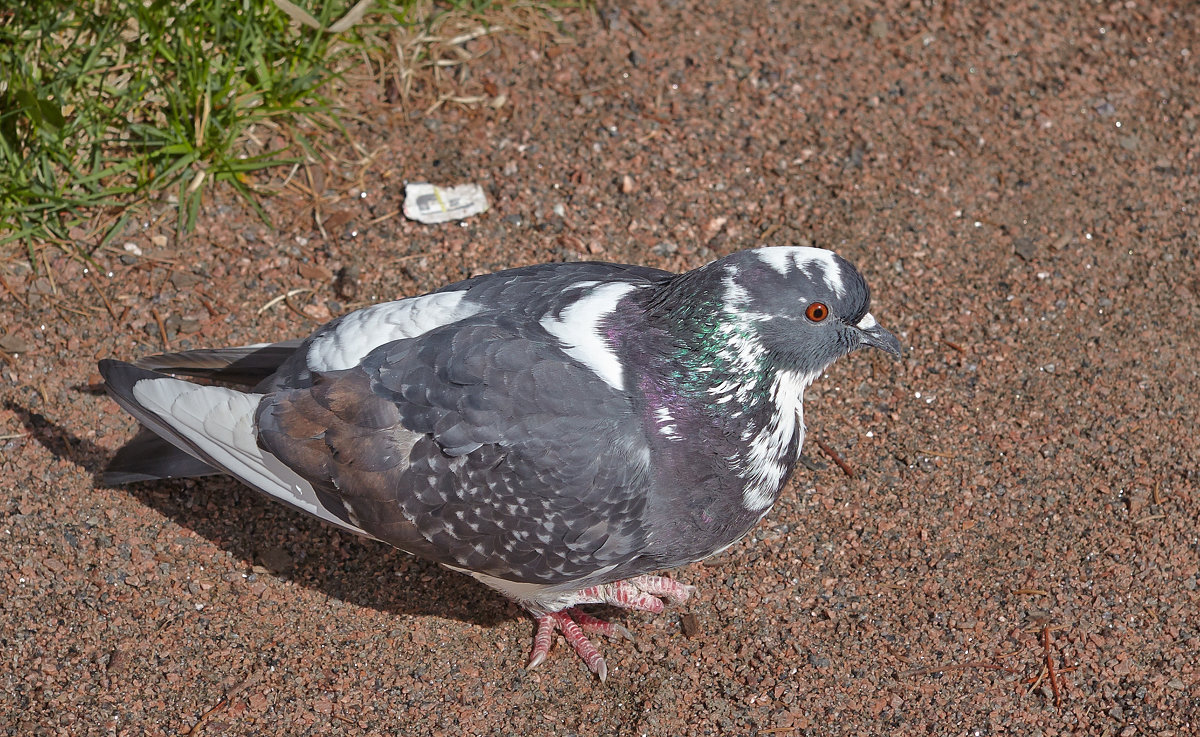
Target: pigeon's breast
[(718, 468)]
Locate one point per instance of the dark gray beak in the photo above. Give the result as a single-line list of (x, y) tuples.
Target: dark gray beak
[(875, 336)]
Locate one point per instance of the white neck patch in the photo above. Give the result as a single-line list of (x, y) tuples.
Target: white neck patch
[(740, 350), (785, 258), (764, 467)]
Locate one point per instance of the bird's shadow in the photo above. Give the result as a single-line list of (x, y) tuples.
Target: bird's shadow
[(293, 546)]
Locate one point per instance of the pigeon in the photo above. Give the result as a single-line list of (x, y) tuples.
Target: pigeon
[(564, 433)]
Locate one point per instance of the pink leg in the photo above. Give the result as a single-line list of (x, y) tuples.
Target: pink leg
[(640, 593)]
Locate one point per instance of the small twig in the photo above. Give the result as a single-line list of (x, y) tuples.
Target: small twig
[(1050, 667), (770, 231), (107, 305), (637, 24), (1149, 518), (162, 329), (208, 306), (1157, 498), (69, 308), (287, 300), (4, 283), (49, 274), (250, 680), (316, 199), (381, 218), (407, 257), (836, 459), (955, 346), (281, 298), (1059, 671), (935, 454), (212, 299), (957, 666), (59, 309), (1041, 676)]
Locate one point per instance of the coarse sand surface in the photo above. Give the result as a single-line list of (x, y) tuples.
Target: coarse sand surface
[(996, 535)]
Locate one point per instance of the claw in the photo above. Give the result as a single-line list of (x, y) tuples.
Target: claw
[(573, 633), (541, 641), (594, 626), (536, 658)]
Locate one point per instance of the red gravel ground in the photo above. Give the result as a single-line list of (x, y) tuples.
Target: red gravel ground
[(1020, 188)]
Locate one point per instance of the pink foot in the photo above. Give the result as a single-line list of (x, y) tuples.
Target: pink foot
[(575, 637), (675, 592), (640, 593)]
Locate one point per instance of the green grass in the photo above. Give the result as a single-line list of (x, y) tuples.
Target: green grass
[(106, 103)]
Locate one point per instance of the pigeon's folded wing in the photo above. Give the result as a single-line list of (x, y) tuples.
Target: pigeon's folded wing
[(480, 445)]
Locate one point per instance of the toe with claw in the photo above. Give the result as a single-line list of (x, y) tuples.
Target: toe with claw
[(642, 593)]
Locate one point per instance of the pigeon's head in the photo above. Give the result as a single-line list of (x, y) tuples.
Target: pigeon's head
[(807, 306)]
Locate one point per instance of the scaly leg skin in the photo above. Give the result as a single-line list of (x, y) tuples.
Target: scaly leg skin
[(640, 593)]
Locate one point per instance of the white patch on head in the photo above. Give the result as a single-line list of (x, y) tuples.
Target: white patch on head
[(764, 467), (736, 298), (219, 422), (867, 322), (363, 331), (578, 328), (785, 258)]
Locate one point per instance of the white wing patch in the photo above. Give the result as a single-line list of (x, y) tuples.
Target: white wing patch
[(220, 422), (785, 258), (363, 331), (578, 330)]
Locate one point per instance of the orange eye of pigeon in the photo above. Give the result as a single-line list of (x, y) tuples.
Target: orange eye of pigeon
[(817, 311)]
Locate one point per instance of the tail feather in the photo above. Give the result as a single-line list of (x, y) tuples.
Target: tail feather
[(246, 365), (147, 457), (214, 425)]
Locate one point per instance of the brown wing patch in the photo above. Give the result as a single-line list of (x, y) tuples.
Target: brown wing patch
[(348, 443)]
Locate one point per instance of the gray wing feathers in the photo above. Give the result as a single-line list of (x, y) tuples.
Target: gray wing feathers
[(479, 445)]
